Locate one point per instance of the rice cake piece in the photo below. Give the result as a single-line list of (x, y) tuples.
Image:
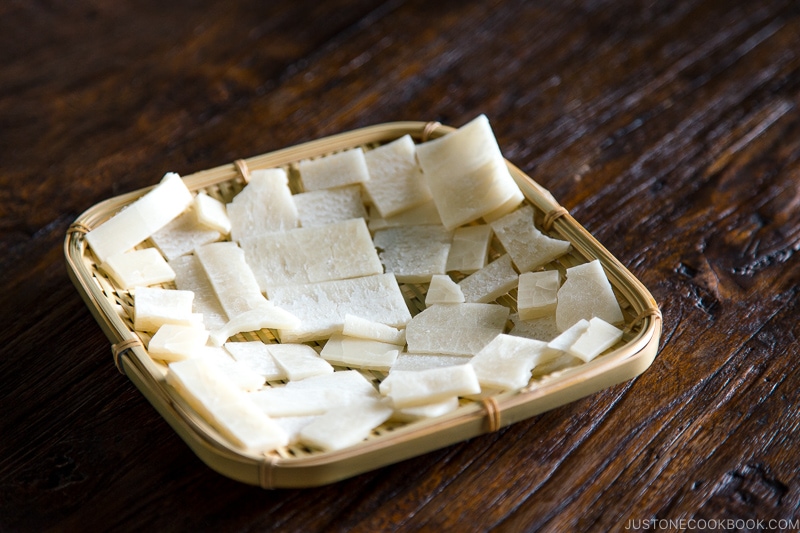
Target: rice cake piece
[(175, 342), (256, 355), (282, 401), (326, 206), (310, 255), (528, 247), (470, 249), (490, 282), (460, 329), (597, 338), (424, 214), (190, 276), (537, 294), (138, 268), (411, 388), (355, 326), (182, 235), (587, 293), (265, 316), (265, 204), (139, 220), (354, 352), (467, 174), (345, 426), (507, 361), (347, 167), (299, 361), (154, 307), (543, 329), (396, 183), (568, 337), (231, 277), (293, 425), (562, 362), (414, 253), (211, 213), (417, 361), (322, 307), (225, 406), (443, 290), (240, 373), (342, 382), (430, 410)]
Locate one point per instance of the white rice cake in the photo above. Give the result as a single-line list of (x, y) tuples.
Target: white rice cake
[(587, 293), (138, 268), (175, 342), (225, 406), (264, 204), (597, 338), (470, 249), (265, 316), (355, 326), (543, 329), (325, 206), (345, 426), (256, 355), (182, 235), (431, 410), (537, 294), (299, 361), (417, 361), (422, 215), (310, 255), (506, 362), (490, 282), (231, 277), (293, 425), (141, 219), (239, 373), (348, 167), (467, 174), (154, 307), (190, 276), (568, 337), (322, 307), (443, 290), (342, 382), (395, 179), (460, 329), (414, 253), (359, 353), (527, 246), (211, 213), (410, 388)]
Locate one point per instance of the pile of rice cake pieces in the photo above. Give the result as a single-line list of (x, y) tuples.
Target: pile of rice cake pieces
[(322, 269)]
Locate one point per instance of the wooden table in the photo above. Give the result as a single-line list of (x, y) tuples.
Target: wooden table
[(670, 130)]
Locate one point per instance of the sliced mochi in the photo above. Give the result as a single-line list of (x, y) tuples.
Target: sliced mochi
[(325, 206), (225, 406), (410, 388), (414, 253), (543, 329), (266, 316), (138, 267), (467, 174), (211, 213), (418, 361), (345, 383), (283, 401), (430, 410), (256, 355), (537, 294), (395, 180), (461, 329), (470, 249), (233, 281), (140, 219), (490, 282), (299, 361), (154, 307), (182, 235), (339, 250), (347, 167), (293, 425), (239, 373), (562, 362), (586, 293), (322, 307), (174, 342), (355, 326), (507, 361), (527, 246), (264, 204), (190, 276), (443, 290), (345, 426), (568, 337), (424, 214), (597, 338), (354, 352)]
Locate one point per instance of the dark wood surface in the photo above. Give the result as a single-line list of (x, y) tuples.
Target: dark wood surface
[(670, 130)]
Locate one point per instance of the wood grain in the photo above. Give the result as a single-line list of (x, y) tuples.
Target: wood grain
[(670, 130)]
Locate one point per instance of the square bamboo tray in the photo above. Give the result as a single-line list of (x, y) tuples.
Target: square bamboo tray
[(298, 466)]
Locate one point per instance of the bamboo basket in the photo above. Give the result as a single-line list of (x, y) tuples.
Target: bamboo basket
[(296, 466)]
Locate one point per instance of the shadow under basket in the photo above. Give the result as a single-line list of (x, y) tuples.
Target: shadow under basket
[(298, 466)]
